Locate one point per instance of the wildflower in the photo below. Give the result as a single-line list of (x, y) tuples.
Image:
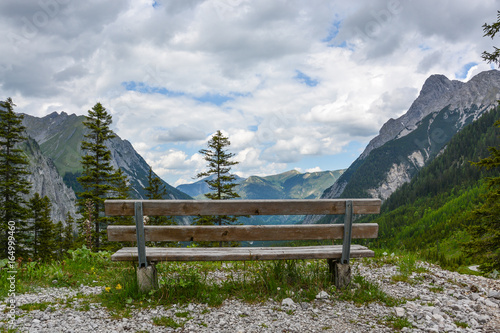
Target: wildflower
[(107, 289), (118, 286)]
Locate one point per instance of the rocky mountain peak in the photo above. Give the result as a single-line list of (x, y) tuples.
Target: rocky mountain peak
[(437, 93)]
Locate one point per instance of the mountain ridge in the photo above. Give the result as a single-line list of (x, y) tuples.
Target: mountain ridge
[(290, 184), (406, 144)]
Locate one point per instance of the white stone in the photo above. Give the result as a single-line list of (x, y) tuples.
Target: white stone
[(400, 312), (288, 302), (322, 295)]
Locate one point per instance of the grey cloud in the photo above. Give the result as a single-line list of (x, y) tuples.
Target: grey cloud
[(393, 103), (181, 133), (29, 80), (70, 73), (429, 61)]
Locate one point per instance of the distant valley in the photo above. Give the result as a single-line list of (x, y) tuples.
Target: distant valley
[(287, 185)]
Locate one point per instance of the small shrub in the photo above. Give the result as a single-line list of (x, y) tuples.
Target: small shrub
[(397, 323), (166, 322)]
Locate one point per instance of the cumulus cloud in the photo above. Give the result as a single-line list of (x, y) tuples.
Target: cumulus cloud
[(286, 81)]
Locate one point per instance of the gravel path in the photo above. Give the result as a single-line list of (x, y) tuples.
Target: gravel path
[(440, 301)]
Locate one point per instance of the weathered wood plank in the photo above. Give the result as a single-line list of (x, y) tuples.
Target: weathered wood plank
[(241, 253), (241, 207), (242, 233)]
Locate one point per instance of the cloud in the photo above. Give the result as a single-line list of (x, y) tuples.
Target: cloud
[(181, 133), (289, 82)]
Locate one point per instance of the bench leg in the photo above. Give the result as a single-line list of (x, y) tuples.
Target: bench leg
[(341, 273), (147, 278)]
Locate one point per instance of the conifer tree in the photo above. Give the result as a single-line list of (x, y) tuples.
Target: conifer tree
[(98, 176), (13, 183), (485, 226), (44, 236), (485, 221), (222, 182)]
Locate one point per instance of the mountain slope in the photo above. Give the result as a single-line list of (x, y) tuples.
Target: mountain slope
[(408, 143), (46, 181), (287, 185), (59, 137), (431, 210)]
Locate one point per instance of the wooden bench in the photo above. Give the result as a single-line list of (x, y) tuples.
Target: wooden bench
[(337, 255)]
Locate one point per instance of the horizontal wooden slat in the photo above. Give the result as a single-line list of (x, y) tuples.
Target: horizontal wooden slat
[(241, 207), (242, 233), (241, 253)]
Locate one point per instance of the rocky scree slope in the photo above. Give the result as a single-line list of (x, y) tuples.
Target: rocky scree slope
[(433, 300)]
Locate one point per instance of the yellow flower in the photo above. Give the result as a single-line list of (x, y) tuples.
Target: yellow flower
[(118, 286), (107, 289)]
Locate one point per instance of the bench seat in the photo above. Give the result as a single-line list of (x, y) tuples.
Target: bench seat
[(156, 254)]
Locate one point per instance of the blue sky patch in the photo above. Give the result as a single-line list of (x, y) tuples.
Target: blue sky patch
[(462, 73), (147, 89), (332, 32), (303, 78), (216, 99)]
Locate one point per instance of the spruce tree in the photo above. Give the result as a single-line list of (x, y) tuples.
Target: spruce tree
[(220, 181), (485, 221), (98, 177), (43, 231), (13, 183)]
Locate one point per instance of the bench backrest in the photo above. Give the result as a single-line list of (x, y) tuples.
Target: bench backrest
[(238, 208), (242, 207), (142, 233)]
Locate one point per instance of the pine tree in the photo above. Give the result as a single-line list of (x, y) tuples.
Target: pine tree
[(13, 183), (485, 226), (98, 174), (43, 243), (222, 183)]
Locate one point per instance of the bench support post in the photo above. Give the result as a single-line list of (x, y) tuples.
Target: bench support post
[(341, 273), (147, 278), (346, 245), (341, 269), (141, 241)]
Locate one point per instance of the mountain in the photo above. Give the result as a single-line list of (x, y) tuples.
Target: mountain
[(200, 187), (406, 144), (46, 181), (430, 213), (53, 149), (287, 185), (59, 136)]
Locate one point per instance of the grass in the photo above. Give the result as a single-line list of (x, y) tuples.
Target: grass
[(397, 323), (166, 322), (193, 282), (367, 292)]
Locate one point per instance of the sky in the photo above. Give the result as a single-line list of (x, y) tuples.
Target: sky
[(297, 84)]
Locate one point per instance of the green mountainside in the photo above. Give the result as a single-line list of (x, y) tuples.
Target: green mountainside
[(431, 135), (287, 185), (59, 136), (430, 213)]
